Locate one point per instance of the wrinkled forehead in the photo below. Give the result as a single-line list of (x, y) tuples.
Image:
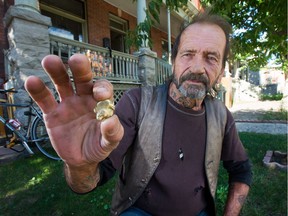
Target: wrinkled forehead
[(204, 35)]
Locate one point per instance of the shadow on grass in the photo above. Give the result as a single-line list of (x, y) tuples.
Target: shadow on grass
[(36, 186)]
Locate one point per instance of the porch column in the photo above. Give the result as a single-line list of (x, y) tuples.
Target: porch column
[(169, 34), (29, 42), (146, 65), (32, 5), (141, 16)]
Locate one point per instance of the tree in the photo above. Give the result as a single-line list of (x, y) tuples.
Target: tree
[(260, 27), (136, 37)]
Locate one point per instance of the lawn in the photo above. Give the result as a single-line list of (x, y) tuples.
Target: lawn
[(36, 186)]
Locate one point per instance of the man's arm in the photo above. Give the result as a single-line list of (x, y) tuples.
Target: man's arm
[(81, 140), (240, 179), (82, 179), (236, 197)]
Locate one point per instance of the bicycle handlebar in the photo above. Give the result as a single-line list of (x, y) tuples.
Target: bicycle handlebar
[(14, 105), (3, 91)]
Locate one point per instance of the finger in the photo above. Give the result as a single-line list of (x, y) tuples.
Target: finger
[(40, 94), (55, 68), (102, 90), (112, 132), (82, 74)]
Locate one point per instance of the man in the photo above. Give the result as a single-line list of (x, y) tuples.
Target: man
[(165, 141)]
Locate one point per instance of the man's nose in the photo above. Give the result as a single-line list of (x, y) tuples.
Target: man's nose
[(197, 65)]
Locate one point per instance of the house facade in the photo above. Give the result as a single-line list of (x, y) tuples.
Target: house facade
[(32, 29)]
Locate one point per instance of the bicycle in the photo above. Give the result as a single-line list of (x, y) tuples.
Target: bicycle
[(34, 133)]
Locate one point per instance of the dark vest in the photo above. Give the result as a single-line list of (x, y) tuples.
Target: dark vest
[(143, 157)]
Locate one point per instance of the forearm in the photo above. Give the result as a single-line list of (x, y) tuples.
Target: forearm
[(236, 197), (82, 179)]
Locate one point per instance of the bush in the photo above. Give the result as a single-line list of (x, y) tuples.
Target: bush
[(270, 97)]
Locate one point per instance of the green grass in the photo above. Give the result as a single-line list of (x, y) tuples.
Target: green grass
[(36, 186), (268, 193), (275, 115)]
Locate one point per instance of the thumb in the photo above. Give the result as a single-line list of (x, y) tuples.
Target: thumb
[(112, 132)]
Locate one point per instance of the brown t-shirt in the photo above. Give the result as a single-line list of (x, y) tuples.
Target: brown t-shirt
[(178, 186)]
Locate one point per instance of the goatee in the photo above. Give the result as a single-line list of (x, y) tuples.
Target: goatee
[(193, 91)]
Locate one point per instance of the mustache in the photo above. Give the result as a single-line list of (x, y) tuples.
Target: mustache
[(196, 77)]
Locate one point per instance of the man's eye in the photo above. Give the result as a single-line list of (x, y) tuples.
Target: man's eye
[(212, 58), (187, 54)]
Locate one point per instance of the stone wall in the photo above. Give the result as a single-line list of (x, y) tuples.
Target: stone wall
[(28, 38)]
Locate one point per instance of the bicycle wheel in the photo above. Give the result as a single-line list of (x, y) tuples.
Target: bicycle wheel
[(40, 137)]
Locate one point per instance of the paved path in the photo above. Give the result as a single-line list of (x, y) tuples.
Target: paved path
[(248, 116), (260, 127)]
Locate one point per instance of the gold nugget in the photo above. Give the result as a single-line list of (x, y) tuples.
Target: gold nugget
[(104, 109)]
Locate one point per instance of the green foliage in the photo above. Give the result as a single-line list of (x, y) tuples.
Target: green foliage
[(140, 36), (260, 29), (271, 97)]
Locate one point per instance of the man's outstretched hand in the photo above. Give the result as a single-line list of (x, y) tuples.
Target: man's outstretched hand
[(78, 138)]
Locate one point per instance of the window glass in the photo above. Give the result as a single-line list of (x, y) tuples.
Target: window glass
[(75, 7), (165, 50), (118, 29), (67, 16)]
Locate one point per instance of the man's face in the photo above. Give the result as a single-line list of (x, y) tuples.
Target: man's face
[(198, 64)]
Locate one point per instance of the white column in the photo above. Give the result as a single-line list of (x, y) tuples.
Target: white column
[(141, 15), (169, 35), (141, 7)]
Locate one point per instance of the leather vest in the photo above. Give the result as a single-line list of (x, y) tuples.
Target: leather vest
[(143, 157)]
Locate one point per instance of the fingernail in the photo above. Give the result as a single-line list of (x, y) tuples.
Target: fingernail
[(100, 90)]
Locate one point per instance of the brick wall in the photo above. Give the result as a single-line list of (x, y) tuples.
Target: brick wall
[(157, 36), (98, 24), (98, 20)]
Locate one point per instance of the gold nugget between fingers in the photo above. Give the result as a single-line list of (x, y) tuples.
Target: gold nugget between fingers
[(104, 109)]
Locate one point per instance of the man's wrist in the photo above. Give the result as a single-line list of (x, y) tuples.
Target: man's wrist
[(82, 179)]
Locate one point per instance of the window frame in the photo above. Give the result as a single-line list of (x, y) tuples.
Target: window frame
[(66, 15)]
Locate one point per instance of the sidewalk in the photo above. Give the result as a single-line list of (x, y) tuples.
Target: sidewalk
[(261, 127), (248, 115)]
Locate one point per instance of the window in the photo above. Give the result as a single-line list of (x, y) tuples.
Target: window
[(68, 18), (165, 50), (118, 29)]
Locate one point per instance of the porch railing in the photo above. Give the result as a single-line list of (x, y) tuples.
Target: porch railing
[(105, 63), (163, 71)]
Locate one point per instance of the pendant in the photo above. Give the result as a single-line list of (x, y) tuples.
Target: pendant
[(181, 154)]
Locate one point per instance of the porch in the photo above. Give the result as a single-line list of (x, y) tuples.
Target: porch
[(121, 69)]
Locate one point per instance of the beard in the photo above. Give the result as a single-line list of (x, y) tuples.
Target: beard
[(190, 90)]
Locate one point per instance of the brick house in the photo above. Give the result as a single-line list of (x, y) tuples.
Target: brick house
[(32, 29), (99, 23)]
